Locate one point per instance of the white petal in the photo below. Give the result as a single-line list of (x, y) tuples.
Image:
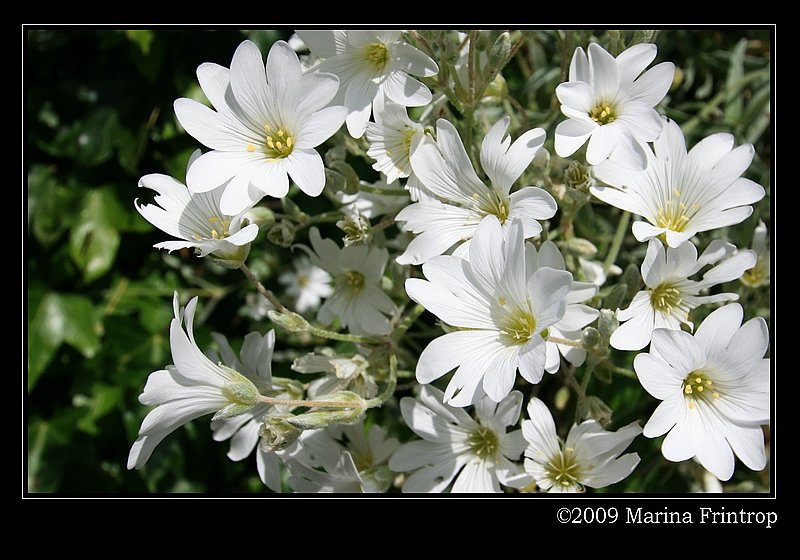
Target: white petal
[(653, 85), (571, 134), (748, 444), (445, 353), (665, 416), (605, 72), (679, 349), (602, 142), (633, 60), (358, 99), (412, 60), (715, 332), (635, 333), (214, 168), (540, 432), (476, 477), (306, 169), (657, 376)]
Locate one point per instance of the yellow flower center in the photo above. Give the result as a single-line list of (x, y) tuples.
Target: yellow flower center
[(603, 113), (520, 326), (665, 298), (377, 55), (675, 215), (484, 443), (219, 228), (563, 469), (497, 205), (278, 144), (698, 386)]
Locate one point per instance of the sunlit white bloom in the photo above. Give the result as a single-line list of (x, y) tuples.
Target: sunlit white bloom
[(462, 199), (590, 456), (342, 373), (372, 204), (307, 285), (196, 218), (371, 64), (715, 390), (680, 194), (474, 455), (194, 386), (610, 104), (499, 309), (360, 464), (577, 315), (255, 363), (391, 138), (671, 294), (759, 275), (356, 271), (265, 127)]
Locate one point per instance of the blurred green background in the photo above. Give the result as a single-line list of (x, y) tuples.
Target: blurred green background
[(99, 116)]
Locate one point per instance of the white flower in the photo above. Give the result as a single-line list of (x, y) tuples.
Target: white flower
[(477, 454), (371, 204), (343, 373), (370, 64), (499, 308), (307, 285), (265, 127), (715, 391), (191, 388), (680, 193), (463, 200), (576, 317), (759, 275), (670, 294), (589, 457), (357, 299), (255, 363), (196, 218), (391, 138), (606, 104), (355, 462)]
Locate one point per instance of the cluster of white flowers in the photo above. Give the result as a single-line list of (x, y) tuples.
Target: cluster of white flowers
[(492, 271)]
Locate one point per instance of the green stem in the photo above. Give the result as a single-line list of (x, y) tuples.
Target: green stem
[(624, 372), (382, 225), (308, 404), (391, 385), (407, 321), (384, 192), (261, 289), (324, 333), (616, 242)]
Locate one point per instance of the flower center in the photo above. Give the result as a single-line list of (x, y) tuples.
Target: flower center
[(563, 469), (696, 386), (675, 214), (377, 55), (519, 327), (408, 138), (484, 443), (497, 205), (665, 298), (223, 224), (352, 279), (603, 113), (278, 144), (757, 275), (303, 280)]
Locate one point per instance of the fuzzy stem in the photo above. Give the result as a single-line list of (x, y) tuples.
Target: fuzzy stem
[(261, 289), (391, 385), (309, 404)]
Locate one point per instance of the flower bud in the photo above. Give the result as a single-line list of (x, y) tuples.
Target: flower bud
[(321, 418), (282, 233), (578, 176), (232, 257), (288, 320), (276, 433), (262, 216), (593, 408), (591, 337), (607, 323), (356, 229), (616, 296), (581, 247), (351, 180)]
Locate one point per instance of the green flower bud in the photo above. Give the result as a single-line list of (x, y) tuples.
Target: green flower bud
[(321, 418), (351, 180), (276, 433), (607, 323), (261, 216), (288, 320), (591, 337), (616, 296), (593, 408), (581, 247), (578, 176), (282, 233)]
